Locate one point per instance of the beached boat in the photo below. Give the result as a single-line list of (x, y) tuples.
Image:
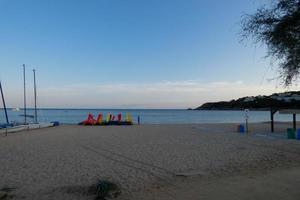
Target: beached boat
[(40, 125), (110, 120), (33, 126), (14, 129), (19, 128), (46, 125)]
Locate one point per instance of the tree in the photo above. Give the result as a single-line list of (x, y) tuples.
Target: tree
[(278, 26)]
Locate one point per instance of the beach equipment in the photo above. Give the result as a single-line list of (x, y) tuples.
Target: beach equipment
[(89, 121), (18, 128), (14, 129), (108, 117), (241, 128), (298, 134), (110, 120), (128, 118), (99, 119), (291, 133), (119, 118)]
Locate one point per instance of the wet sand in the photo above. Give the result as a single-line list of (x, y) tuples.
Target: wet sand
[(196, 161)]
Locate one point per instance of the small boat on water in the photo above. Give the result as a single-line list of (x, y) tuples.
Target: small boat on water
[(16, 109)]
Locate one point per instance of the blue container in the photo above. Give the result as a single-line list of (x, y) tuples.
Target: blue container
[(298, 134), (241, 128), (55, 123)]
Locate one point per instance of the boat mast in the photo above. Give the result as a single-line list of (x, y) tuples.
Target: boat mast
[(4, 106), (35, 110), (25, 115)]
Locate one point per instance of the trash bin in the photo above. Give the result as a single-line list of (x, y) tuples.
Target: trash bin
[(241, 128), (291, 133), (298, 134)]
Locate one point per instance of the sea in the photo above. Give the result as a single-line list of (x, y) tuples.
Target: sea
[(147, 116)]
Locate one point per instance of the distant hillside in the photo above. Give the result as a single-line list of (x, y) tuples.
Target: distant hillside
[(277, 100)]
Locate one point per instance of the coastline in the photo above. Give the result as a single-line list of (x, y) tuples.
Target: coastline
[(183, 161)]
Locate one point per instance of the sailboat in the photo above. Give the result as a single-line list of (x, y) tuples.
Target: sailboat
[(11, 128), (4, 106), (36, 124)]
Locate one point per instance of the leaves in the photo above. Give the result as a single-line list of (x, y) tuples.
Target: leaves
[(279, 28)]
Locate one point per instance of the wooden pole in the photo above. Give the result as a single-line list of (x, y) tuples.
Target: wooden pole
[(272, 121), (294, 122)]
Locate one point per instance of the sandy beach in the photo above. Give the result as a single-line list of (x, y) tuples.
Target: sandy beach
[(196, 161)]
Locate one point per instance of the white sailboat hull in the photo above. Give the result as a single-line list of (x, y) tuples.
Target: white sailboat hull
[(25, 127), (14, 129)]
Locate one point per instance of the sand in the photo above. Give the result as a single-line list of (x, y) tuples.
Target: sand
[(204, 161)]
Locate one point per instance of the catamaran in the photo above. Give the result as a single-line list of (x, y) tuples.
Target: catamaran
[(9, 128)]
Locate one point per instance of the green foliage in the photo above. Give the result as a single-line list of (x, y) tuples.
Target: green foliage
[(278, 26), (105, 188), (258, 103), (5, 193)]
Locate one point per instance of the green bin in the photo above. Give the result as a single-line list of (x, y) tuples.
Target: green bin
[(291, 133)]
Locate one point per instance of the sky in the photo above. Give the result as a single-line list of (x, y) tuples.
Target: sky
[(130, 53)]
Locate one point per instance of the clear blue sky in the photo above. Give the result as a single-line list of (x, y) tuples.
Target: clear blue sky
[(83, 48)]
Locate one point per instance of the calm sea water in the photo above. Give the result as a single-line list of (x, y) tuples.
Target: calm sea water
[(151, 116)]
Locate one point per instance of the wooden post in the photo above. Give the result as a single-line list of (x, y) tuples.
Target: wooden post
[(272, 121), (294, 122)]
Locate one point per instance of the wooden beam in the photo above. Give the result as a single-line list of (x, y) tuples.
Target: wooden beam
[(272, 122), (289, 111), (294, 122), (272, 112)]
